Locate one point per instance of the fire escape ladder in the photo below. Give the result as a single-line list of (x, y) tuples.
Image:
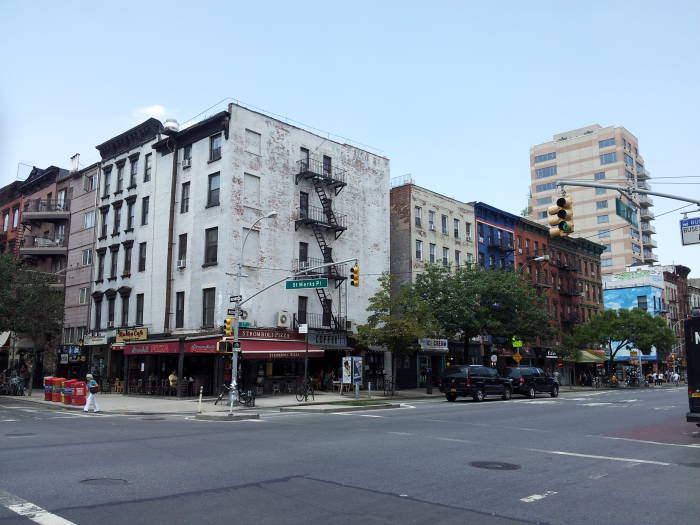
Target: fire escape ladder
[(327, 308)]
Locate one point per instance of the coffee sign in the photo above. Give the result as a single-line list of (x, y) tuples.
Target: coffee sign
[(132, 334)]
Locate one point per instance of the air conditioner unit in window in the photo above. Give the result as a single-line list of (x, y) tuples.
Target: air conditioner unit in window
[(432, 227), (351, 326), (283, 319), (181, 263), (110, 324), (520, 251), (186, 163)]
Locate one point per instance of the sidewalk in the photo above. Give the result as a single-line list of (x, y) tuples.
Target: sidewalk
[(151, 405)]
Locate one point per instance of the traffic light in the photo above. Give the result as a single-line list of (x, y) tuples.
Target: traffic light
[(561, 217), (355, 276), (228, 326)]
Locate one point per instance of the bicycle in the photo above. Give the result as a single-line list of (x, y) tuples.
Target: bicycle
[(596, 383), (245, 397), (389, 389), (304, 390)]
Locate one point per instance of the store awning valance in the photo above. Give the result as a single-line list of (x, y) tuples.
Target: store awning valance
[(277, 350), (590, 356)]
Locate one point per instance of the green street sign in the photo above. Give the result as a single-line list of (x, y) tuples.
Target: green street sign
[(517, 343), (307, 283), (244, 324)]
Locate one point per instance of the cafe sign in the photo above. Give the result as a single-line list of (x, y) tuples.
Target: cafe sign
[(132, 334), (433, 345), (93, 340)]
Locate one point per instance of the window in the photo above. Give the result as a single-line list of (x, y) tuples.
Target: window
[(179, 309), (100, 266), (547, 156), (83, 297), (443, 224), (608, 158), (208, 304), (142, 257), (605, 262), (15, 218), (130, 215), (432, 254), (629, 161), (544, 200), (87, 257), (125, 310), (182, 247), (89, 219), (106, 178), (417, 213), (114, 257), (304, 158), (147, 167), (187, 156), (139, 309), (600, 191), (549, 171), (133, 171), (120, 177), (419, 250), (144, 211), (105, 212), (213, 190), (117, 220), (98, 314), (545, 187), (127, 260), (302, 305), (251, 190), (469, 258), (431, 220), (445, 256), (468, 230), (185, 197), (89, 182), (303, 205), (303, 251), (327, 166), (603, 234), (211, 240), (542, 214), (5, 220), (215, 147), (599, 176), (455, 227), (602, 219), (607, 247), (252, 142), (605, 143), (458, 258), (110, 311), (601, 204)]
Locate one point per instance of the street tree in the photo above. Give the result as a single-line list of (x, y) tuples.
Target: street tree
[(470, 301), (29, 305), (397, 319), (618, 329)]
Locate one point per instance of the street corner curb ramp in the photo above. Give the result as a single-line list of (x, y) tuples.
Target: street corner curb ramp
[(226, 417), (326, 409)]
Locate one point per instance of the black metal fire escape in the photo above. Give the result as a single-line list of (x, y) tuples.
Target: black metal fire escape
[(326, 180)]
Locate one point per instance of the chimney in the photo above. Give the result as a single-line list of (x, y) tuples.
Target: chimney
[(75, 162)]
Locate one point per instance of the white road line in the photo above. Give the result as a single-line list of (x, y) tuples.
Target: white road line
[(455, 440), (591, 456), (537, 497), (8, 420), (30, 511), (647, 442), (368, 415), (593, 404), (399, 433), (597, 476)]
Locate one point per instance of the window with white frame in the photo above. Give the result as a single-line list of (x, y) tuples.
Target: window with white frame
[(419, 250), (251, 189), (89, 219), (252, 142)]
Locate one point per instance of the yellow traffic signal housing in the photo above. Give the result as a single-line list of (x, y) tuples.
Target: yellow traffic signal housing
[(561, 217), (228, 326), (355, 276)]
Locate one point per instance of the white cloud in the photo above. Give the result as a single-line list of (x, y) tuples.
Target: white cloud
[(155, 111)]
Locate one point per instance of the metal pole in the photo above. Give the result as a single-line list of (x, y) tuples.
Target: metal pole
[(306, 356)]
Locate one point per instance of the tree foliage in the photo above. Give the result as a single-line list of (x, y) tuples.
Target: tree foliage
[(471, 301), (617, 329)]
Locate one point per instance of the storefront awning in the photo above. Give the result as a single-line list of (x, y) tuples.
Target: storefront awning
[(277, 350), (590, 356)]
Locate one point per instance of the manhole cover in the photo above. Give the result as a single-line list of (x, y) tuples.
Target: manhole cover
[(104, 481), (494, 465), (153, 418), (19, 435)]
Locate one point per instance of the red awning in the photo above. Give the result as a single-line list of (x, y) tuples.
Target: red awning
[(277, 349)]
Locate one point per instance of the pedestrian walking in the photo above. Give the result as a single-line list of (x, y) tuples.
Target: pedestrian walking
[(676, 378), (172, 381), (92, 388)]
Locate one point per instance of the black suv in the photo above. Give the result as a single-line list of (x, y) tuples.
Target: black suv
[(476, 381), (529, 380)]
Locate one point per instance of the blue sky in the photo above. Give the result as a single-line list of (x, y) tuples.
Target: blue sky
[(454, 93)]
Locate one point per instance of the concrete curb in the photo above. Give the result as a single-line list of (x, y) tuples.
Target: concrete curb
[(226, 417), (61, 407), (327, 408)]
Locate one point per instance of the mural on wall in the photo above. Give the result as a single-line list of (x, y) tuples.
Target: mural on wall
[(627, 298)]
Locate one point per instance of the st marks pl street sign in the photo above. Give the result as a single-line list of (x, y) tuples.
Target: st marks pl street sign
[(307, 283)]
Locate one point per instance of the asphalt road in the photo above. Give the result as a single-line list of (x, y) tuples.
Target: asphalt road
[(586, 457)]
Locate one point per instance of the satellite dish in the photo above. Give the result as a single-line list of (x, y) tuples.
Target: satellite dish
[(171, 126)]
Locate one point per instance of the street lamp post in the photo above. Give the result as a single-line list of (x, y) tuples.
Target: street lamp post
[(237, 306), (541, 258)]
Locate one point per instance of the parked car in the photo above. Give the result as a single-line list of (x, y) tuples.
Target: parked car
[(474, 381), (530, 380)]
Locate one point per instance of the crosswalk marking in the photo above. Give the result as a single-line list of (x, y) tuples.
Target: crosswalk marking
[(30, 511)]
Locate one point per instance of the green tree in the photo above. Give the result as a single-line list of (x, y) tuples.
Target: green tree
[(617, 329), (397, 319), (29, 305), (471, 301)]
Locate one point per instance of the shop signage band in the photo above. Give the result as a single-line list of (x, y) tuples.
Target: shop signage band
[(132, 334), (307, 283)]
